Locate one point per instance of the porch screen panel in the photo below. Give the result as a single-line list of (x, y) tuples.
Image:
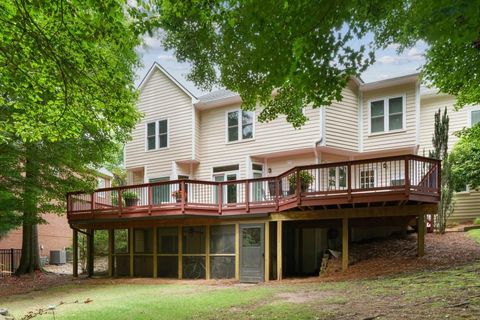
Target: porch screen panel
[(194, 252), (121, 256), (143, 252), (167, 266), (222, 252)]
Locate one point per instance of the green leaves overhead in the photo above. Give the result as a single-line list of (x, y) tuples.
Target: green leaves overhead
[(301, 49), (67, 70), (306, 51)]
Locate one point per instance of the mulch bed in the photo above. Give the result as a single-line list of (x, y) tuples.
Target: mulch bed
[(368, 260)]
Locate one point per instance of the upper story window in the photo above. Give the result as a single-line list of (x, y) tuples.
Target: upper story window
[(101, 183), (387, 114), (474, 117), (157, 135), (239, 125)]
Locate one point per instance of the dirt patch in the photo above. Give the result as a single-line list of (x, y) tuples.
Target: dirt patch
[(38, 281), (300, 297)]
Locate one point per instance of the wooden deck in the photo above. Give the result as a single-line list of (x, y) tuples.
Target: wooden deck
[(373, 182)]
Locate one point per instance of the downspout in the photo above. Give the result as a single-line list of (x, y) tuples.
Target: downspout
[(320, 140)]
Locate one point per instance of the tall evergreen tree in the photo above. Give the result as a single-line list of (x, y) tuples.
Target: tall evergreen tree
[(440, 152)]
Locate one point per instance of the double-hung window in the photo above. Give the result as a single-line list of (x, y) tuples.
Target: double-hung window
[(157, 135), (239, 125), (387, 114)]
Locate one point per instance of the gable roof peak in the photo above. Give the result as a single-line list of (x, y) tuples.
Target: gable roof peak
[(157, 66)]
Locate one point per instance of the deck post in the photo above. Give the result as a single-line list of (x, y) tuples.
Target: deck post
[(267, 251), (349, 181), (75, 253), (155, 252), (247, 196), (131, 249), (344, 244), (421, 235), (90, 253), (279, 250), (110, 252), (180, 252), (407, 176), (298, 187), (237, 251), (207, 252)]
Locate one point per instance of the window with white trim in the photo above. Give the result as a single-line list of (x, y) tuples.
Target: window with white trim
[(337, 178), (387, 114), (367, 179), (474, 117), (239, 125), (157, 135)]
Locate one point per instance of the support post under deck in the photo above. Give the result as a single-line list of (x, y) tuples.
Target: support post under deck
[(344, 244), (279, 249), (421, 235), (267, 251), (90, 253), (75, 253)]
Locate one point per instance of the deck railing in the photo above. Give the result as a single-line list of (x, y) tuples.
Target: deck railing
[(341, 182)]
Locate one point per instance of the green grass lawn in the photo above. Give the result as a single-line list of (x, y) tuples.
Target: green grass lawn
[(475, 235), (444, 294)]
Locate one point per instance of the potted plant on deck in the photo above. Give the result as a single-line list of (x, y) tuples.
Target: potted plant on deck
[(179, 194), (130, 198), (305, 180)]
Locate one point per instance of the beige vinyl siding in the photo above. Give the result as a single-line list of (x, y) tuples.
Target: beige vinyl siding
[(341, 122), (458, 120), (276, 136), (282, 164), (160, 98), (467, 207), (197, 134), (402, 138), (467, 204)]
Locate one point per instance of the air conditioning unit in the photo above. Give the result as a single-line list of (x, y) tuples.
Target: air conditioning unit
[(58, 257)]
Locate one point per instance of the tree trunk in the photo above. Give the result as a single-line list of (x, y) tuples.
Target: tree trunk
[(30, 259)]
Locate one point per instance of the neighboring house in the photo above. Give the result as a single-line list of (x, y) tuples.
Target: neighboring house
[(353, 171), (55, 233)]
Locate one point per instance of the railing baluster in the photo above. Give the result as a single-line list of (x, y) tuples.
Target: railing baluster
[(92, 205), (182, 195), (247, 195), (407, 176), (120, 202), (149, 199), (349, 181), (298, 186)]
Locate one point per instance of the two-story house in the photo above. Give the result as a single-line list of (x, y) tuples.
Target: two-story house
[(213, 193)]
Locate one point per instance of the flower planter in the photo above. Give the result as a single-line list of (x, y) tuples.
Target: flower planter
[(131, 202)]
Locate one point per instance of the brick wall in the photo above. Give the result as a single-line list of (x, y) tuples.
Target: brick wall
[(54, 235)]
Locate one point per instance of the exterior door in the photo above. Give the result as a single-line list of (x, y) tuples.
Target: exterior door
[(252, 253), (229, 191), (257, 192), (231, 188), (161, 193)]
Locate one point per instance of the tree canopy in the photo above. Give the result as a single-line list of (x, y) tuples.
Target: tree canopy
[(465, 158), (305, 51), (67, 69), (67, 104)]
